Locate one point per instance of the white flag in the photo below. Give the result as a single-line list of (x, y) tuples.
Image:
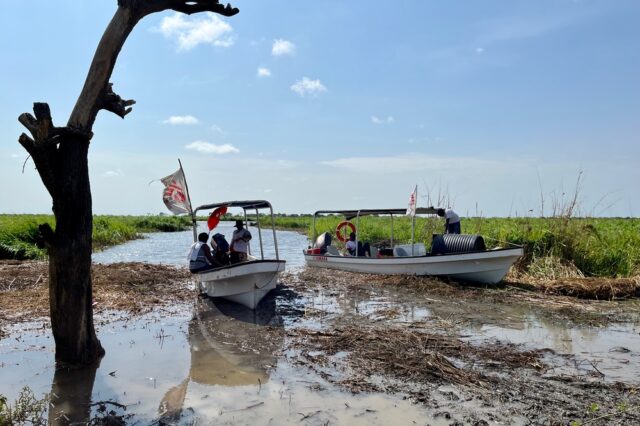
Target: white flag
[(411, 210), (175, 194)]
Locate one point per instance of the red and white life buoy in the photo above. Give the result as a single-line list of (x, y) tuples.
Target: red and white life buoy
[(341, 226)]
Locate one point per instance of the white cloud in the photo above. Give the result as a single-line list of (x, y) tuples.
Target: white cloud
[(264, 72), (306, 86), (113, 173), (419, 163), (190, 32), (211, 148), (377, 120), (178, 120), (479, 50), (283, 47)]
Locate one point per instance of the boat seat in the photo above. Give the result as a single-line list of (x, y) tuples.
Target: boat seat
[(400, 252), (333, 251), (418, 250)]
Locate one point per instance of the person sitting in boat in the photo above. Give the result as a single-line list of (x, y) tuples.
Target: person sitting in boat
[(200, 257), (221, 252), (452, 221), (360, 249), (239, 243)]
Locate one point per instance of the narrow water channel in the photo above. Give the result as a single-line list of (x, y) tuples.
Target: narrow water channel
[(171, 247), (214, 362)]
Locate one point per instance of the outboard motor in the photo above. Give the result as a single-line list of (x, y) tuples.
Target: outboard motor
[(457, 243), (322, 242)]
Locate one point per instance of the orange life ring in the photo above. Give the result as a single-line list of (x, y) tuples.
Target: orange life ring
[(341, 226)]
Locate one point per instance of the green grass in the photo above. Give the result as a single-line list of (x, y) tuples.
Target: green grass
[(20, 238), (601, 247)]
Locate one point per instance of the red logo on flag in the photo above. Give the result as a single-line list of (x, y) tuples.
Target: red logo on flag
[(175, 193)]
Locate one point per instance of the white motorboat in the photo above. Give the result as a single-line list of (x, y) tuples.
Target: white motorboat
[(245, 282), (460, 257)]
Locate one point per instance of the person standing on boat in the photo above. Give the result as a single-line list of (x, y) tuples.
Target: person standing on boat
[(239, 243), (200, 258), (452, 221)]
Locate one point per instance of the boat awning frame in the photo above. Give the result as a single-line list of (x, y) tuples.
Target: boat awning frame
[(350, 214), (248, 204), (245, 205)]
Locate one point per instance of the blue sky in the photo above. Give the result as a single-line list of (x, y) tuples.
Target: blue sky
[(488, 106)]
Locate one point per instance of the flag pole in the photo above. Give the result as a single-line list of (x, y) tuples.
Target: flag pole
[(413, 221), (186, 187)]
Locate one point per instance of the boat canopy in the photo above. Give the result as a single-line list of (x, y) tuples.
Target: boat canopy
[(249, 204), (245, 205), (350, 214)]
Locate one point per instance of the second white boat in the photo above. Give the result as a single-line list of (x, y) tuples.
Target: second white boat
[(469, 261)]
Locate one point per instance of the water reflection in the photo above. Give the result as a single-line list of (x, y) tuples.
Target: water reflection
[(230, 346), (71, 391)]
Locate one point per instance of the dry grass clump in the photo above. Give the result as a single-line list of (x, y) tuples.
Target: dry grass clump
[(412, 355), (593, 288), (566, 280), (552, 268), (24, 293), (132, 287), (341, 279), (139, 287), (547, 275)]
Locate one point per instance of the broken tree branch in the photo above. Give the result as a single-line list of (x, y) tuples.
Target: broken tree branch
[(47, 234), (190, 7), (114, 103), (97, 93)]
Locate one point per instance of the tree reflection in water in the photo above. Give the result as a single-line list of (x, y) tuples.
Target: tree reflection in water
[(70, 401)]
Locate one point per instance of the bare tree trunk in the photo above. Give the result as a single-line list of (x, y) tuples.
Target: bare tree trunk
[(60, 155), (70, 290)]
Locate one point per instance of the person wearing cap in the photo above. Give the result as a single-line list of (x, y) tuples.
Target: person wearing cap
[(239, 243)]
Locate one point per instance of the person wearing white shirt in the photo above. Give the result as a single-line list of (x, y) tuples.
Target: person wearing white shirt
[(239, 243), (359, 249), (452, 221)]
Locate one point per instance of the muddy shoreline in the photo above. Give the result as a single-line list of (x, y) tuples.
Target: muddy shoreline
[(423, 347)]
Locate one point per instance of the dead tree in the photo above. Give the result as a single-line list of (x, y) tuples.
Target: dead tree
[(60, 156)]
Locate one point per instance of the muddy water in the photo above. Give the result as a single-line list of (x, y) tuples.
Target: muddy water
[(219, 363), (214, 365), (172, 247), (610, 351)]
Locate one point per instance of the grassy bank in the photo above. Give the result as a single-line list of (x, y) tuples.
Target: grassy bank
[(601, 247), (20, 238)]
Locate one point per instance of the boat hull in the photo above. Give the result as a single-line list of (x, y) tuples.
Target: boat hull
[(488, 267), (245, 283)]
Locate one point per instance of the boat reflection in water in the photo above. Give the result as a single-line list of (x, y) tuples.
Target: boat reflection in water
[(230, 345)]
